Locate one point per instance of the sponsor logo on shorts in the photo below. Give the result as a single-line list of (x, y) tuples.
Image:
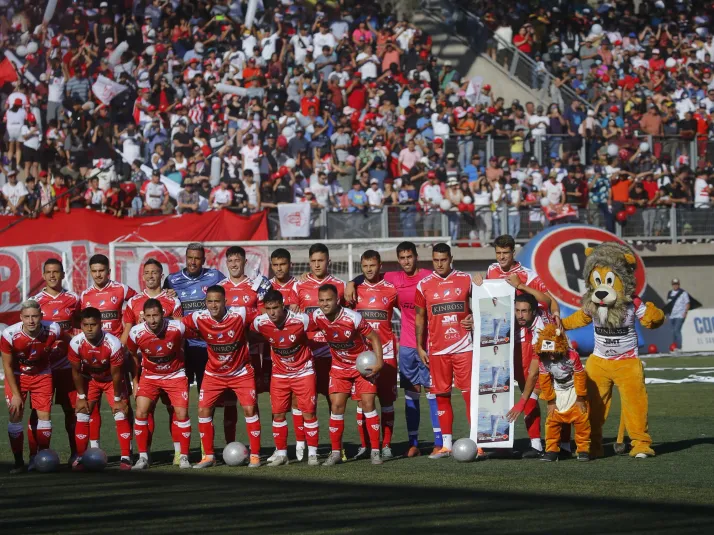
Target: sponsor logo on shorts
[(380, 315), (110, 315), (448, 308)]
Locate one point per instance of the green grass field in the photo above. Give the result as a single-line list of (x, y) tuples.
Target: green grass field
[(672, 493)]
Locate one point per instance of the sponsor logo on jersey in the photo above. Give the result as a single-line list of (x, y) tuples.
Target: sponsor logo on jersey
[(380, 315), (447, 293), (246, 298), (451, 333), (449, 318), (612, 331), (458, 291), (224, 348), (348, 333), (230, 334), (193, 305), (342, 345), (159, 360), (448, 308), (286, 352), (372, 299)]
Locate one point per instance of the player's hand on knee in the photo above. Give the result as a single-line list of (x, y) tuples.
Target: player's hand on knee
[(423, 356), (16, 405), (81, 406), (122, 406)]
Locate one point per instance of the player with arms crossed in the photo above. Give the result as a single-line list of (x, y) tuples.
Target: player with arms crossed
[(160, 341), (442, 304), (62, 307), (108, 297), (97, 359), (26, 347), (228, 368), (293, 374), (345, 332)]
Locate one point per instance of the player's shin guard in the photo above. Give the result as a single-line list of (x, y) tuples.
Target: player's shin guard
[(446, 419), (32, 433), (337, 428), (81, 433), (205, 430), (466, 394), (95, 423), (361, 427), (44, 434), (230, 420), (280, 436), (411, 411), (142, 432), (252, 424), (531, 414), (298, 425), (435, 421), (312, 435), (123, 433), (372, 421), (14, 432), (387, 425), (182, 435)]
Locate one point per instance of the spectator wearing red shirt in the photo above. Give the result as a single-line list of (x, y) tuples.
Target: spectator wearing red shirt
[(656, 61), (356, 93), (311, 100)]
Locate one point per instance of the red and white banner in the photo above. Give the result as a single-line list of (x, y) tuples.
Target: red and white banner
[(75, 237), (105, 89), (556, 212), (294, 220)]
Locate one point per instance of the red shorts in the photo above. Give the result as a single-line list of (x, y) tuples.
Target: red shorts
[(213, 387), (176, 390), (38, 386), (447, 368), (95, 389), (322, 366), (282, 389), (387, 383), (65, 392), (350, 382)]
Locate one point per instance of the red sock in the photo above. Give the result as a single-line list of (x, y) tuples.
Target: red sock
[(280, 434), (32, 433), (95, 422), (123, 434), (387, 425), (312, 432), (142, 432), (361, 428), (298, 425), (205, 429), (17, 438), (230, 419), (44, 434), (372, 422), (252, 424), (182, 434), (446, 414), (466, 394), (531, 414), (337, 428), (81, 433), (70, 420)]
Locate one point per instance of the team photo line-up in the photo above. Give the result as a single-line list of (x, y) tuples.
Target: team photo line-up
[(294, 337)]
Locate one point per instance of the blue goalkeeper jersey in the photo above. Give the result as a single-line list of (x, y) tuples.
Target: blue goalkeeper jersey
[(191, 291)]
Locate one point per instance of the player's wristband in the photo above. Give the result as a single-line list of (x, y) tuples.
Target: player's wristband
[(117, 398), (520, 406), (81, 396)]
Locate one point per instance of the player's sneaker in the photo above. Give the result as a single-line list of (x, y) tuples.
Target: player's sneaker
[(275, 456), (279, 460), (532, 454), (387, 453), (376, 457), (125, 464), (441, 454), (19, 468), (177, 458), (312, 461), (31, 467), (299, 451), (362, 453), (183, 462), (205, 462), (550, 456), (335, 457), (254, 461), (141, 464), (414, 451), (584, 457), (71, 460)]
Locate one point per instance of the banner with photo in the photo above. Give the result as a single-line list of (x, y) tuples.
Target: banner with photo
[(492, 371)]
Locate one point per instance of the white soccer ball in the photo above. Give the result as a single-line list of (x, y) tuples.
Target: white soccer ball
[(21, 51), (445, 204), (468, 200), (465, 450), (366, 362), (235, 454), (47, 461), (94, 460), (644, 147), (32, 47), (671, 63), (613, 150)]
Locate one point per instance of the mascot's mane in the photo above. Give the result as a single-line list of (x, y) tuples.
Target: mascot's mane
[(613, 256), (550, 333)]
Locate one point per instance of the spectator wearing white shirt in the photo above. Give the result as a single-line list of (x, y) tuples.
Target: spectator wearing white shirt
[(678, 304), (155, 195), (553, 190), (375, 196), (367, 63), (221, 196), (14, 193), (324, 38), (300, 43), (538, 123), (250, 155)]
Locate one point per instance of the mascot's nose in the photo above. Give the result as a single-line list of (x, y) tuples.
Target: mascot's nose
[(601, 294)]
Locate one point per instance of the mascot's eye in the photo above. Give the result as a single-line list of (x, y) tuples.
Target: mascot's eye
[(596, 279), (610, 278)]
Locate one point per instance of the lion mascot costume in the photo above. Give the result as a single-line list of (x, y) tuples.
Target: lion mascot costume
[(610, 304)]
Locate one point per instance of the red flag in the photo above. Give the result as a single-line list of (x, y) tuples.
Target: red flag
[(7, 72)]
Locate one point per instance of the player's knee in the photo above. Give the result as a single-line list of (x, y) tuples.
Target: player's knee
[(368, 404), (308, 415), (249, 411), (205, 412), (180, 413), (279, 417)]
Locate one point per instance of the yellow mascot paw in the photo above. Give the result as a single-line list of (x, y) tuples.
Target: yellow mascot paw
[(653, 317)]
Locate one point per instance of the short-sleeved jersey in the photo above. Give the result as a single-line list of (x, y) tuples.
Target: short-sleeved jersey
[(96, 360), (162, 352), (376, 303), (226, 340), (305, 296), (446, 302), (285, 289), (527, 276), (345, 335), (62, 309), (191, 291), (31, 355), (134, 311), (617, 343), (406, 290), (288, 344), (110, 302), (247, 293)]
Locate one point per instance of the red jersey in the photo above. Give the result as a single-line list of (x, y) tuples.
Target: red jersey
[(134, 310), (110, 302), (527, 276), (285, 289), (31, 356), (226, 340), (345, 336), (162, 353), (446, 302), (376, 303), (288, 344), (62, 309), (305, 296), (247, 293), (96, 361)]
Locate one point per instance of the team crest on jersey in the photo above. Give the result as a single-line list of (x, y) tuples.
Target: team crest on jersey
[(114, 299), (170, 345), (292, 337), (246, 298), (458, 291), (203, 289), (348, 333), (231, 333), (385, 300)]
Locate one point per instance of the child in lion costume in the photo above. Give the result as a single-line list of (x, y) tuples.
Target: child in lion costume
[(610, 304)]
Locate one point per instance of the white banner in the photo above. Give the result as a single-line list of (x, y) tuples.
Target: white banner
[(105, 89), (492, 371), (473, 91), (698, 331), (294, 220)]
